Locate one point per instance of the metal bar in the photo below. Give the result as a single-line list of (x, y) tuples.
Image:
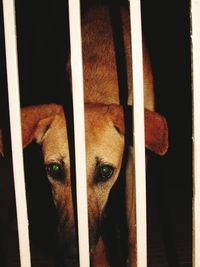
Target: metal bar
[(195, 22), (15, 124), (138, 122), (79, 129)]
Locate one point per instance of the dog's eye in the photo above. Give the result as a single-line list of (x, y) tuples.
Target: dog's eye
[(56, 171), (105, 172)]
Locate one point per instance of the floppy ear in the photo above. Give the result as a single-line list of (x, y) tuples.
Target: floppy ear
[(156, 132), (35, 120)]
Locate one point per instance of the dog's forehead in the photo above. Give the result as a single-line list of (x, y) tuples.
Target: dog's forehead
[(96, 117), (103, 140), (100, 117), (101, 136), (55, 144)]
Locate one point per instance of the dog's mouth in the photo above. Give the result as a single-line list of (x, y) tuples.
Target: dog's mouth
[(93, 238), (68, 241)]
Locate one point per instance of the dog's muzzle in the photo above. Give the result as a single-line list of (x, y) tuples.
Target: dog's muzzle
[(68, 242)]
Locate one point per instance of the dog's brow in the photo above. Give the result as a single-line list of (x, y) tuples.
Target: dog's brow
[(59, 158), (99, 161)]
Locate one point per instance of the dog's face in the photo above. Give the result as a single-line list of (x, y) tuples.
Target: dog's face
[(104, 152)]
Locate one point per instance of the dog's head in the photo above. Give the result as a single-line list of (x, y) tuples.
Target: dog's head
[(104, 126), (104, 147)]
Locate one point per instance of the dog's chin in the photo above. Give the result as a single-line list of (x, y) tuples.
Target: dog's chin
[(94, 234), (68, 243)]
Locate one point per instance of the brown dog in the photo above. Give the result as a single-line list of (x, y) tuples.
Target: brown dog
[(104, 133), (104, 144)]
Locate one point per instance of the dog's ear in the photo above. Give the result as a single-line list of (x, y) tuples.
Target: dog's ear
[(117, 115), (36, 120), (36, 132), (156, 132)]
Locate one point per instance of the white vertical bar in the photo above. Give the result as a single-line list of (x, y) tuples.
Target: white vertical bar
[(15, 124), (79, 127), (195, 20), (139, 143)]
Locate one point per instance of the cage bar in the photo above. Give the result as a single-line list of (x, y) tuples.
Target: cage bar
[(15, 124), (138, 128), (79, 130), (195, 22)]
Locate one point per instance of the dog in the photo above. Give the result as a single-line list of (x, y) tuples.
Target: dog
[(104, 145), (105, 134)]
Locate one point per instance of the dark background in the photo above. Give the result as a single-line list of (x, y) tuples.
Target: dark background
[(42, 28)]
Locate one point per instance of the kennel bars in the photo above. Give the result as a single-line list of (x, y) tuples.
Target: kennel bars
[(195, 37), (138, 129), (79, 130), (15, 125), (14, 109), (138, 119)]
